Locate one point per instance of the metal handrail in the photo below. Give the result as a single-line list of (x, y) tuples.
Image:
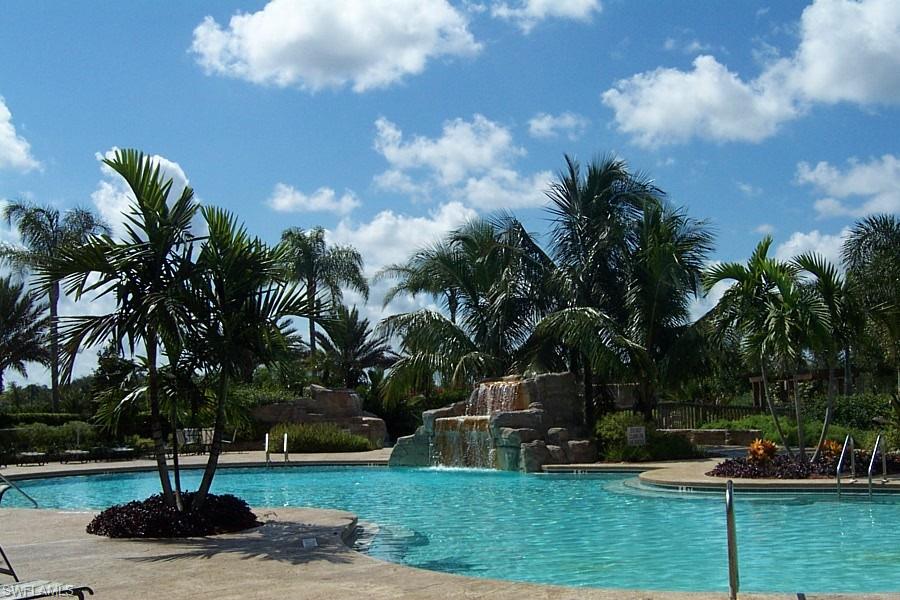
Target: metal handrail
[(848, 443), (18, 489), (879, 441), (734, 581)]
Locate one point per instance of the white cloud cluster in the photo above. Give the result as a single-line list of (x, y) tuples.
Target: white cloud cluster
[(471, 162), (849, 51), (668, 106), (874, 184), (528, 13), (315, 44), (545, 126), (15, 151), (801, 242), (113, 196), (286, 198)]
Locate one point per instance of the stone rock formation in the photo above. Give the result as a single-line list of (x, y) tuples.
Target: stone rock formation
[(509, 424), (322, 405)]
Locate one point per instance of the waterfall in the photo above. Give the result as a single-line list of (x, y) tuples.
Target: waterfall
[(462, 442), (493, 397)]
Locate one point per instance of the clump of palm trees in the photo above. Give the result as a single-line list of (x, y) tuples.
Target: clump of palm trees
[(608, 298)]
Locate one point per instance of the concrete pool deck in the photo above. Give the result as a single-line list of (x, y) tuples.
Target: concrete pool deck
[(268, 562)]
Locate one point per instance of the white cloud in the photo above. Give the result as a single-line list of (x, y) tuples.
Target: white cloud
[(701, 305), (710, 102), (464, 147), (870, 187), (849, 51), (543, 125), (286, 198), (800, 242), (470, 162), (528, 13), (315, 44), (764, 229), (113, 196), (749, 190), (390, 238), (15, 151)]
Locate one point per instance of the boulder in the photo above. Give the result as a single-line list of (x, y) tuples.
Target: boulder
[(335, 403), (513, 438), (558, 436), (557, 455), (519, 419), (412, 450), (582, 452), (533, 456)]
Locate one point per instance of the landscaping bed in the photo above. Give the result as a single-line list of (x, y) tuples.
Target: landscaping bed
[(151, 518)]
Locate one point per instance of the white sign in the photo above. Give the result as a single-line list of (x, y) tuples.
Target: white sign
[(637, 436)]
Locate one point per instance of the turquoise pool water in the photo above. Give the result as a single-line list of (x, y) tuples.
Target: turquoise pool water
[(577, 530)]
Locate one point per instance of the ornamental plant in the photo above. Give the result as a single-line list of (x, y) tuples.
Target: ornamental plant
[(831, 448), (761, 451)]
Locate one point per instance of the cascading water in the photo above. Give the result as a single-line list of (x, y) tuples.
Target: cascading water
[(494, 397), (462, 442), (465, 441)]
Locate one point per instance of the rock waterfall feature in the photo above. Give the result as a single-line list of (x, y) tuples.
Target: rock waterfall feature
[(511, 424)]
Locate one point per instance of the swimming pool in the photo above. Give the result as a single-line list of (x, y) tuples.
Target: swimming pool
[(576, 530)]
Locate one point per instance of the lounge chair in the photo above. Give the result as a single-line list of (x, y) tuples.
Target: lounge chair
[(37, 588)]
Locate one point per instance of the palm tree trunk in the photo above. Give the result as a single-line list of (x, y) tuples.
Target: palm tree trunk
[(311, 300), (215, 448), (1, 381), (54, 347), (801, 451), (848, 384), (162, 466), (771, 406), (829, 408), (176, 469), (589, 415)]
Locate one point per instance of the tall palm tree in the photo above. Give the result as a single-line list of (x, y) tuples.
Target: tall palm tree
[(488, 268), (23, 328), (240, 308), (45, 232), (844, 320), (320, 268), (871, 254), (593, 213), (352, 346), (742, 310), (145, 272)]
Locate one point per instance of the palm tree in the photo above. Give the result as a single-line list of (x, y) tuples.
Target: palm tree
[(310, 261), (241, 310), (871, 254), (487, 268), (352, 347), (45, 231), (844, 319), (593, 227), (145, 273), (23, 328), (743, 310)]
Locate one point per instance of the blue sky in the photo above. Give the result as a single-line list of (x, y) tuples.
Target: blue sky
[(390, 122)]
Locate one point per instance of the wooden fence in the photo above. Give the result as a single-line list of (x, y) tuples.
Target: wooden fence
[(684, 415)]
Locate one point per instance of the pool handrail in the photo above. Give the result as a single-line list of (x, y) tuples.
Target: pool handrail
[(879, 441), (848, 443), (734, 580), (18, 489)]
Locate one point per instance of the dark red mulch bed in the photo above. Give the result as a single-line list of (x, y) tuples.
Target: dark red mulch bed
[(783, 467), (151, 518)]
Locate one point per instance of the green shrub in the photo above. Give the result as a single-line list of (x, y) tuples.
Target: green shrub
[(856, 411), (46, 438), (612, 435), (317, 437), (8, 420), (811, 430)]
